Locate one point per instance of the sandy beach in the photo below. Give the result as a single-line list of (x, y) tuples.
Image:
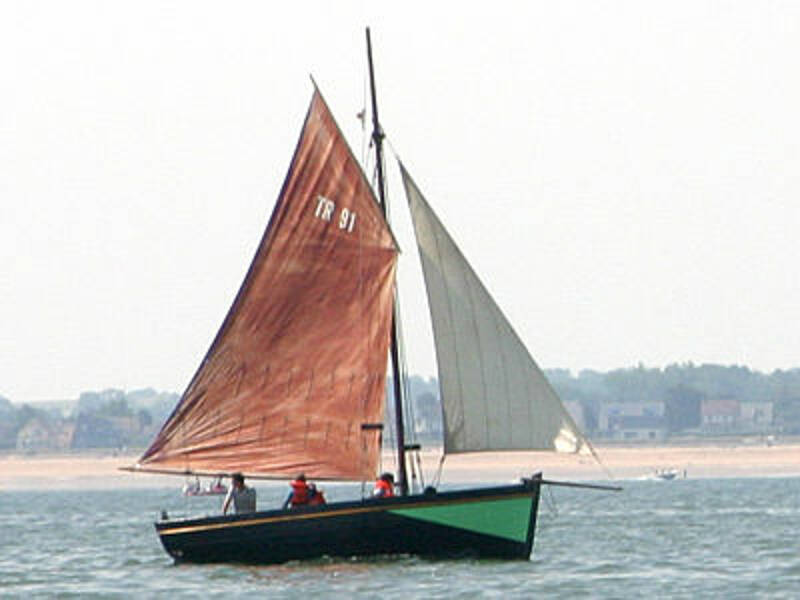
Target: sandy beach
[(617, 463)]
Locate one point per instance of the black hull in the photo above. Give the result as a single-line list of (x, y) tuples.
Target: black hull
[(487, 522)]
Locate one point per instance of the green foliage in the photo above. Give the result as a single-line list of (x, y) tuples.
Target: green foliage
[(115, 407), (639, 383), (682, 387), (110, 418), (136, 415), (145, 419), (682, 408), (787, 415)]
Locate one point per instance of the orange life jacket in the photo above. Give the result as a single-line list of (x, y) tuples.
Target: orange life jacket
[(300, 492), (386, 488)]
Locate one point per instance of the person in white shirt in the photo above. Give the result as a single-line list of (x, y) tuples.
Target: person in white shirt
[(243, 497)]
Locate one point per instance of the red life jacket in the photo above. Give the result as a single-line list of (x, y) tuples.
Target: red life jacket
[(300, 492), (317, 498), (386, 487)]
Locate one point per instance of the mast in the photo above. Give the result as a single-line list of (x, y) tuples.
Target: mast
[(377, 136)]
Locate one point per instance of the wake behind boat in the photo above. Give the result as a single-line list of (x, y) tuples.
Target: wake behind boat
[(295, 380)]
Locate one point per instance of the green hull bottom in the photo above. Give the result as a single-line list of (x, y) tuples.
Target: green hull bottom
[(505, 518)]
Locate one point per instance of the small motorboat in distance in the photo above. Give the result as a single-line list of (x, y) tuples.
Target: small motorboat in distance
[(665, 474)]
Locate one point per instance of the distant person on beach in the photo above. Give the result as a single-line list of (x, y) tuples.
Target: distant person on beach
[(243, 497), (384, 487)]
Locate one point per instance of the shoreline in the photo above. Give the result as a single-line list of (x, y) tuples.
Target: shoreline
[(101, 470)]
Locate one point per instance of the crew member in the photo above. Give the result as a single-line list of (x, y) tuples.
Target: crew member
[(384, 487), (300, 494), (243, 497), (315, 495)]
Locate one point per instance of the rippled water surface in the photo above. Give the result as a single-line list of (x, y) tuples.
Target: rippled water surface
[(733, 538)]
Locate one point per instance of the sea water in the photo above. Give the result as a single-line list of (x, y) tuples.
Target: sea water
[(705, 538)]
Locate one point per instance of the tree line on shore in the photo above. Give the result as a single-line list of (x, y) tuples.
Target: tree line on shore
[(682, 387), (116, 419), (108, 419)]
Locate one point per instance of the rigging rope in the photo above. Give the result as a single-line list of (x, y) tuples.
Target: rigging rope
[(596, 456), (438, 476), (419, 467), (552, 505)]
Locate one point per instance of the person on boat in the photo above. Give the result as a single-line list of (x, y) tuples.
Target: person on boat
[(192, 489), (300, 494), (315, 495), (303, 493), (217, 487), (242, 497), (384, 487)]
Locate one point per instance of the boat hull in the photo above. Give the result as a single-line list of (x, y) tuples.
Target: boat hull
[(494, 522)]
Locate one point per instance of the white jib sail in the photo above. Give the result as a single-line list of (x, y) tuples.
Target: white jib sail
[(494, 396)]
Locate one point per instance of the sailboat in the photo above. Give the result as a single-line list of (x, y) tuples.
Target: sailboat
[(295, 379)]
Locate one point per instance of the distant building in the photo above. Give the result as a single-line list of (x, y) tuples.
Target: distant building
[(633, 421), (8, 424), (726, 415), (95, 432), (64, 435), (643, 428), (756, 414), (719, 414), (40, 435), (611, 410)]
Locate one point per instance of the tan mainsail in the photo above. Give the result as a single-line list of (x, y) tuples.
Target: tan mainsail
[(299, 364), (494, 396)]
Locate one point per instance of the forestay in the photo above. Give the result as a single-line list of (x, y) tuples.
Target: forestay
[(299, 364), (494, 396)]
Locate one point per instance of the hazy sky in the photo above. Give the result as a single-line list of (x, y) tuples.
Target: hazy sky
[(625, 176)]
